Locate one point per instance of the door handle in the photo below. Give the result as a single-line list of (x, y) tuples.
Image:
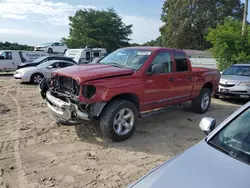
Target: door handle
[(189, 77), (171, 79)]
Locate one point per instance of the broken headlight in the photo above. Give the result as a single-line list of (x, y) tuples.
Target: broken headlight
[(88, 91)]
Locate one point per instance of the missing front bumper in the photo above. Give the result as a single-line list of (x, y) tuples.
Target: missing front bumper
[(69, 111), (65, 110)]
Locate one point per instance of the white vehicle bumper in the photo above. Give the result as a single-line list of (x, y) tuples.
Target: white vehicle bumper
[(22, 78)]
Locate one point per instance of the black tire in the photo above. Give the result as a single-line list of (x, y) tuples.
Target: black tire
[(34, 78), (108, 116), (196, 104), (50, 50)]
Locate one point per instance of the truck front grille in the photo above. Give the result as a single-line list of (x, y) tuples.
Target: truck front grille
[(66, 85)]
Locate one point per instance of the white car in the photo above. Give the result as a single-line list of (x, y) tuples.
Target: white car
[(52, 47), (44, 70)]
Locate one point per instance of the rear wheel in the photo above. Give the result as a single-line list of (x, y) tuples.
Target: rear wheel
[(201, 104), (50, 50), (36, 78), (118, 121)]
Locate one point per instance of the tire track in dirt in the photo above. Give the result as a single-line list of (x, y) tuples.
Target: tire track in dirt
[(16, 139)]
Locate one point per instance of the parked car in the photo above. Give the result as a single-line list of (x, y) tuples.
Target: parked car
[(220, 160), (125, 84), (85, 55), (11, 59), (52, 47), (44, 59), (235, 82), (43, 70)]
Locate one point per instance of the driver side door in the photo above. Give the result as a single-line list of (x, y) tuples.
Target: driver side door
[(7, 62), (157, 87)]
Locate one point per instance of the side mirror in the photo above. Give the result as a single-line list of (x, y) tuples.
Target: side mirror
[(207, 125), (158, 68), (50, 67)]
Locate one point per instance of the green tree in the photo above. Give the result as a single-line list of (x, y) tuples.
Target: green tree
[(134, 44), (14, 46), (157, 42), (229, 46), (98, 28), (187, 21)]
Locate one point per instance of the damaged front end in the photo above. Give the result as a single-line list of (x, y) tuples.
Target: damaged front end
[(62, 96)]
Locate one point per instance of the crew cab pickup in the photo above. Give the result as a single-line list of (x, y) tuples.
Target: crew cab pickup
[(119, 88)]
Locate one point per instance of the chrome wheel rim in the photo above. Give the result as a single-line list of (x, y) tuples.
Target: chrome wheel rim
[(37, 79), (124, 121), (205, 101)]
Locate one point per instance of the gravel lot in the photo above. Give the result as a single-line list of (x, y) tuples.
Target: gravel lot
[(36, 152)]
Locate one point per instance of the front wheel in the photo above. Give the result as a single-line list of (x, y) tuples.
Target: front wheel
[(201, 104), (36, 78), (118, 121)]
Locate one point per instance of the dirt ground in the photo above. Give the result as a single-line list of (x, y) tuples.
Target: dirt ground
[(36, 152)]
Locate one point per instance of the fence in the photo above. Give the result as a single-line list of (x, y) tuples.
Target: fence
[(203, 62)]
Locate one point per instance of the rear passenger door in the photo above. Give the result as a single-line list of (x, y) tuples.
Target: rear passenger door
[(183, 77)]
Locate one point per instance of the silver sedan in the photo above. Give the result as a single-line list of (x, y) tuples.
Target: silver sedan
[(235, 82), (221, 160)]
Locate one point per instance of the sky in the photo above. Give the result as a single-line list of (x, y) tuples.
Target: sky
[(34, 22)]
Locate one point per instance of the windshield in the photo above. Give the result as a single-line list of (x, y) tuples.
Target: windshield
[(234, 139), (39, 59), (128, 58), (46, 44), (238, 70)]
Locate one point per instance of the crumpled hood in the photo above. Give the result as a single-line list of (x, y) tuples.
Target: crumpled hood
[(233, 79), (83, 73), (200, 166)]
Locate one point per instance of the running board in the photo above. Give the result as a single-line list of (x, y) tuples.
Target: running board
[(159, 111)]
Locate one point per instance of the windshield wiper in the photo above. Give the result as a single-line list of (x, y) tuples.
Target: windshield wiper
[(220, 148), (236, 155)]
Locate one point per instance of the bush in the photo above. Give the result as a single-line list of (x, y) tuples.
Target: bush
[(229, 46)]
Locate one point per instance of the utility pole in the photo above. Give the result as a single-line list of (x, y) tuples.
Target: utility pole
[(244, 18)]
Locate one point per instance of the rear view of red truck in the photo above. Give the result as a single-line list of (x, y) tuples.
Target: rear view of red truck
[(125, 84)]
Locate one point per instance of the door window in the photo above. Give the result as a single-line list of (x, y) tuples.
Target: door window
[(181, 62), (65, 64), (7, 55), (96, 54), (55, 65), (162, 58), (87, 56)]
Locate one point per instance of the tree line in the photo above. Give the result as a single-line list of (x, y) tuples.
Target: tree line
[(14, 46)]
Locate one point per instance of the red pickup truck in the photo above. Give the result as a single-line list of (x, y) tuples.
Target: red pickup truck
[(122, 86)]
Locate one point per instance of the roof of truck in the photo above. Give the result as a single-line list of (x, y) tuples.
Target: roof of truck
[(150, 48)]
